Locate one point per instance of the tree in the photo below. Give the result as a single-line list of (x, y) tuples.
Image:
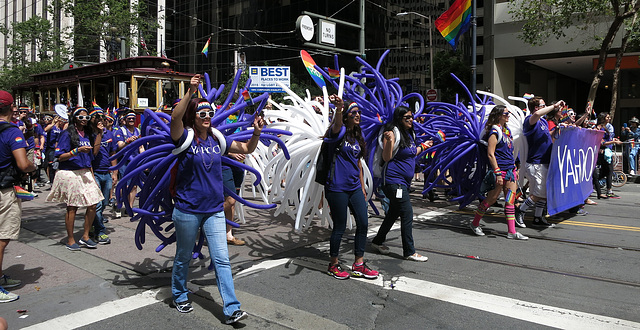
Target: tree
[(445, 63), (631, 35), (34, 36), (99, 20), (545, 19)]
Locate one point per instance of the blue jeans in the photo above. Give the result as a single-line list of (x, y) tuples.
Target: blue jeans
[(338, 203), (105, 182), (398, 207), (632, 157), (215, 229)]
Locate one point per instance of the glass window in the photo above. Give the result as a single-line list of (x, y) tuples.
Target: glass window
[(146, 93)]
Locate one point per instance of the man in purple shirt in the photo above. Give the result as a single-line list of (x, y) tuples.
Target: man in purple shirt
[(538, 137)]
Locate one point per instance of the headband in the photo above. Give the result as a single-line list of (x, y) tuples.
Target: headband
[(77, 110), (109, 117), (351, 106), (96, 111), (130, 114), (204, 105)]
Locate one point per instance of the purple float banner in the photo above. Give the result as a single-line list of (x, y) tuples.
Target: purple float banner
[(573, 159)]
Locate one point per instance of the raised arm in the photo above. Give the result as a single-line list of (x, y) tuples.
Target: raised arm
[(176, 126)]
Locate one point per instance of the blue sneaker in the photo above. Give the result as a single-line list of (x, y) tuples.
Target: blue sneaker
[(88, 243), (73, 247)]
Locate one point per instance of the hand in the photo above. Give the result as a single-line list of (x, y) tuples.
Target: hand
[(114, 176), (195, 81), (428, 143), (499, 180), (239, 157), (85, 149), (258, 124), (337, 101), (388, 135), (100, 127)]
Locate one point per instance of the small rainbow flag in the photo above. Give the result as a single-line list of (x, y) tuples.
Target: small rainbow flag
[(379, 118), (334, 74), (205, 49), (441, 136), (565, 114), (23, 194), (455, 21), (247, 97), (528, 96)]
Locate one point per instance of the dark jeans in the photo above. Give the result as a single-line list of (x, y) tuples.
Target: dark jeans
[(104, 182), (398, 207), (606, 170), (338, 203)]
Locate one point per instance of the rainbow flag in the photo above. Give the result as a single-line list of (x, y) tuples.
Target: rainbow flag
[(528, 96), (247, 97), (441, 136), (23, 194), (309, 64), (455, 21), (334, 74), (205, 49)]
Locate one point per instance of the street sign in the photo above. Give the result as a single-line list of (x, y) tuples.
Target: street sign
[(264, 78), (327, 34), (432, 95)]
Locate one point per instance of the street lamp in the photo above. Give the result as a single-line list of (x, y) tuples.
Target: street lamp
[(430, 41)]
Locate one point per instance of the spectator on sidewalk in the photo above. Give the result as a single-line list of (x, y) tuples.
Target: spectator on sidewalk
[(74, 184), (13, 163), (605, 154), (631, 134), (199, 199)]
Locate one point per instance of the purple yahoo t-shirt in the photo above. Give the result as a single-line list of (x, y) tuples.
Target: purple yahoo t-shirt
[(344, 175), (10, 139), (539, 140), (199, 186), (400, 168), (504, 150), (108, 147), (81, 160), (52, 136)]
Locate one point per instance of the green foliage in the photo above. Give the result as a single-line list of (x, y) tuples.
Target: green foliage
[(33, 35), (103, 19), (445, 63), (551, 19)]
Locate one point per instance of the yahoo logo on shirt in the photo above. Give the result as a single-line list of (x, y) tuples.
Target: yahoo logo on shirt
[(354, 147), (205, 149), (84, 143)]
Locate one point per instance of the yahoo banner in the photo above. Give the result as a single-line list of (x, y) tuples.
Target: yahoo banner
[(573, 159)]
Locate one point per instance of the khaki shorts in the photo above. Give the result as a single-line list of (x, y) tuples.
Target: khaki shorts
[(10, 214), (537, 176)]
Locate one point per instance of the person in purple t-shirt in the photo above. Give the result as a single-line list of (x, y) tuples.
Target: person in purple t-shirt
[(199, 199), (502, 164), (396, 180), (536, 131), (13, 162), (345, 189), (74, 184), (606, 169), (54, 129)]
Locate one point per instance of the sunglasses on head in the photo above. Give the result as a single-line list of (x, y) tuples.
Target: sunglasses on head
[(205, 114), (81, 117)]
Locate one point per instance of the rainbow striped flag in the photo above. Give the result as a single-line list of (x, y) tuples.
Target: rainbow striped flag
[(441, 135), (528, 96), (455, 21), (334, 74), (247, 97), (309, 64), (23, 194), (205, 49)]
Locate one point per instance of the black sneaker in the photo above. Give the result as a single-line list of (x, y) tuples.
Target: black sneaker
[(520, 218), (183, 307), (542, 223), (236, 316)]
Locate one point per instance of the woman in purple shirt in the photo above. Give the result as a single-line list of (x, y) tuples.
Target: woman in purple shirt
[(199, 198), (345, 189), (502, 163), (74, 184), (396, 180)]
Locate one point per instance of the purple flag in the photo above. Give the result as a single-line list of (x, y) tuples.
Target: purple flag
[(573, 159)]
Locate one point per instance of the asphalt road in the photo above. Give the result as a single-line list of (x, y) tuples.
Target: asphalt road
[(581, 274)]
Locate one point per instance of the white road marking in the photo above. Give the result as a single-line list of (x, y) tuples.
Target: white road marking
[(98, 313)]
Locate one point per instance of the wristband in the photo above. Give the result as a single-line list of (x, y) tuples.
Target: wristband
[(74, 152), (497, 171), (423, 145)]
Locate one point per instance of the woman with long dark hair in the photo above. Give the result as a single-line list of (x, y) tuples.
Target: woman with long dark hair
[(345, 189), (74, 183), (199, 198), (500, 154), (397, 174), (606, 169)]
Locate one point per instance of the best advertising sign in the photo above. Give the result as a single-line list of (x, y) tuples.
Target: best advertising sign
[(573, 159), (264, 78)]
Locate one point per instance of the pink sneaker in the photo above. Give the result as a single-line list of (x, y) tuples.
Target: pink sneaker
[(337, 272), (363, 271)]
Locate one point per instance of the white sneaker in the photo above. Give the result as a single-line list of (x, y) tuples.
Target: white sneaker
[(476, 230), (118, 214), (417, 257), (382, 249), (632, 172), (517, 236)]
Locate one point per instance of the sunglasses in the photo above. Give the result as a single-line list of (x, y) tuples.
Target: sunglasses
[(407, 117), (505, 114), (205, 114), (81, 117), (354, 113), (23, 111)]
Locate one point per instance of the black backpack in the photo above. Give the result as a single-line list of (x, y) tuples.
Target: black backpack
[(326, 159), (10, 175)]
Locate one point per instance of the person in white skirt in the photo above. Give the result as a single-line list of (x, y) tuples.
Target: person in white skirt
[(74, 183)]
